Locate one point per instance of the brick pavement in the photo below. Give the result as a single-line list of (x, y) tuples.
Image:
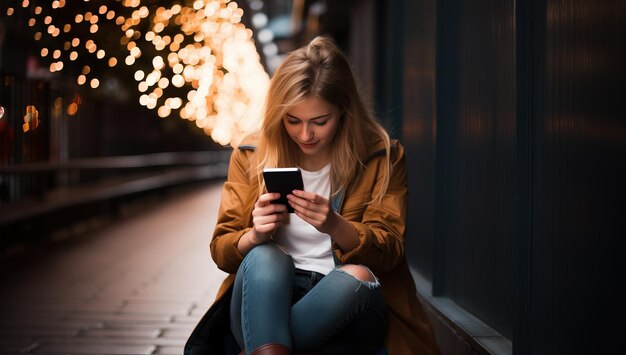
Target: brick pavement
[(135, 287)]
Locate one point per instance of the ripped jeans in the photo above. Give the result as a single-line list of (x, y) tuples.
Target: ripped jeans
[(273, 302)]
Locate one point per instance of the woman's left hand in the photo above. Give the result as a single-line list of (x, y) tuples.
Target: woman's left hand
[(314, 209)]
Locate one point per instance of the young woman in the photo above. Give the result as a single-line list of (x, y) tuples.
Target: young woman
[(330, 278)]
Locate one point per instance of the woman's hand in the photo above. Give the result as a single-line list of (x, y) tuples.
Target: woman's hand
[(315, 210), (266, 218)]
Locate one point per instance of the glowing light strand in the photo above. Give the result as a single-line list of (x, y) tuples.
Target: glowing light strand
[(206, 65)]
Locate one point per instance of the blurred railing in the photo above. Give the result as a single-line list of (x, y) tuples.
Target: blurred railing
[(67, 153), (82, 181)]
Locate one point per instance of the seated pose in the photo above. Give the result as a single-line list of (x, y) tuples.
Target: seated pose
[(330, 278)]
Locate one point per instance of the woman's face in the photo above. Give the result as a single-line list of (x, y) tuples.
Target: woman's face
[(312, 125)]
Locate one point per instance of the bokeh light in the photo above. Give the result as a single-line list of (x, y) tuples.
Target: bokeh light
[(194, 60)]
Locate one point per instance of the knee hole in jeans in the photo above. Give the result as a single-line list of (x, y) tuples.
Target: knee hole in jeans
[(359, 272)]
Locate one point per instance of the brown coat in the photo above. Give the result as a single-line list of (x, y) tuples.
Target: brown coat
[(381, 233)]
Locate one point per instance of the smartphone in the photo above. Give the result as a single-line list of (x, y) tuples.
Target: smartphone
[(283, 181)]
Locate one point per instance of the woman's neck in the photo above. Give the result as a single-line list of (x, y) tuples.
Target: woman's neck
[(310, 164)]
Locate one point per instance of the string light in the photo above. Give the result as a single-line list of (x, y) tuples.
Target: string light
[(200, 47)]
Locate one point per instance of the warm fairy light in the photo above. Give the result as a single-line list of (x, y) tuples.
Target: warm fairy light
[(152, 102), (178, 80), (157, 62), (163, 83), (174, 102), (59, 66), (143, 12), (164, 111), (177, 68), (139, 75), (72, 109), (135, 52), (58, 103), (152, 78), (200, 48), (31, 119)]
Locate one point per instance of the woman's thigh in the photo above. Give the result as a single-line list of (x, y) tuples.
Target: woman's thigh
[(261, 299), (339, 309)]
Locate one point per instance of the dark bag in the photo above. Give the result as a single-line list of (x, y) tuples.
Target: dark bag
[(212, 335)]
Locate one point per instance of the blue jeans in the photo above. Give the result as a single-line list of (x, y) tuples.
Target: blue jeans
[(273, 302)]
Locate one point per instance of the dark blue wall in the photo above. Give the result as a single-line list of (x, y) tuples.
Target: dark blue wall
[(577, 140), (515, 127)]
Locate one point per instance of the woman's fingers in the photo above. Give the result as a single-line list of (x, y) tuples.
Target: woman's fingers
[(266, 199), (266, 217), (264, 205), (309, 201), (312, 208)]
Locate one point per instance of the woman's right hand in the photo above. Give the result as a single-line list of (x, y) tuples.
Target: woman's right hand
[(266, 218)]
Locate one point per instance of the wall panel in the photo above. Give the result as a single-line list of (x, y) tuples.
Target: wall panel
[(476, 157), (579, 154)]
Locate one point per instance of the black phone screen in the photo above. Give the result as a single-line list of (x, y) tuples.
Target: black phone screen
[(283, 181)]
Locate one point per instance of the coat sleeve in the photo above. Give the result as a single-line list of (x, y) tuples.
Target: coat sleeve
[(381, 230), (235, 213)]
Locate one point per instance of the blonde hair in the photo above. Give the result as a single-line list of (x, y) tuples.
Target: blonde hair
[(320, 70)]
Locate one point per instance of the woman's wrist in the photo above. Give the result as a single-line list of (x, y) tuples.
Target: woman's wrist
[(248, 241), (343, 233)]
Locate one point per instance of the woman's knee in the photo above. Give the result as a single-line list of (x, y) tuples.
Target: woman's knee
[(359, 272), (268, 256)]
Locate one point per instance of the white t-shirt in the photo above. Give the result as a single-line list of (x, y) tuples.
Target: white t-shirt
[(310, 249)]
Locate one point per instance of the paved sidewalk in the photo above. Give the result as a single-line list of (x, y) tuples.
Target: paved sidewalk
[(136, 287)]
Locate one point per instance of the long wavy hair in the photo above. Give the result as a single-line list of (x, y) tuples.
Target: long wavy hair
[(320, 70)]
